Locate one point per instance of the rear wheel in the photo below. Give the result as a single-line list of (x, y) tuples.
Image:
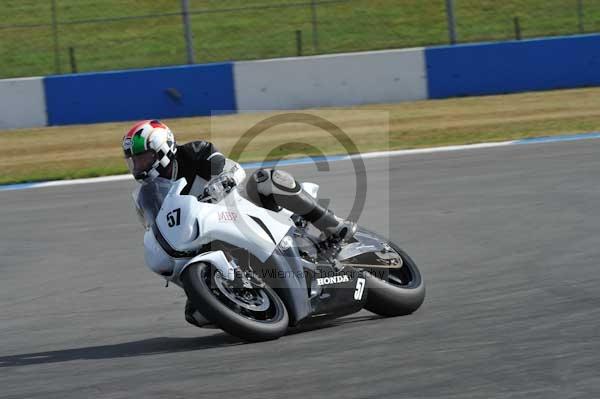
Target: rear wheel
[(398, 292), (251, 311)]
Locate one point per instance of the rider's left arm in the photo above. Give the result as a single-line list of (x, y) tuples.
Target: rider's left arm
[(234, 170), (210, 163)]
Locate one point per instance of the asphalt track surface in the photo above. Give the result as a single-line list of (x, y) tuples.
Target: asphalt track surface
[(507, 239)]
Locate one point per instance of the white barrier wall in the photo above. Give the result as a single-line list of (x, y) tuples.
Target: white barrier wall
[(22, 103), (331, 80)]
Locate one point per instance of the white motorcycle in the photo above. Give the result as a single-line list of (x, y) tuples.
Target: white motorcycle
[(254, 272)]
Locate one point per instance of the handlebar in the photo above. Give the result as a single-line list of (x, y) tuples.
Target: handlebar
[(217, 188)]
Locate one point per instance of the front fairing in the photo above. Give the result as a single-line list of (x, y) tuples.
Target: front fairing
[(179, 225), (233, 220)]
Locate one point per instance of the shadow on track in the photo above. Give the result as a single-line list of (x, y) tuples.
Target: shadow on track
[(323, 324), (152, 346), (156, 346)]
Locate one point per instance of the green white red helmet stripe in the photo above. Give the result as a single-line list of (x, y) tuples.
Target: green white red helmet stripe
[(136, 140), (150, 135), (135, 128), (138, 144), (139, 125)]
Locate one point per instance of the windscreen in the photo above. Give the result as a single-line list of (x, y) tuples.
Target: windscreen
[(149, 198)]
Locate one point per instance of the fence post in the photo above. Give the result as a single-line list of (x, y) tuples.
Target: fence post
[(55, 38), (580, 15), (451, 21), (299, 43), (72, 60), (517, 28), (187, 29), (315, 32)]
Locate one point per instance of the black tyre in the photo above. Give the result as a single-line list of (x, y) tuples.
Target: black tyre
[(401, 292), (252, 314)]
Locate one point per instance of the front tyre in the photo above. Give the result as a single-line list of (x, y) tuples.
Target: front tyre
[(401, 292), (253, 312)]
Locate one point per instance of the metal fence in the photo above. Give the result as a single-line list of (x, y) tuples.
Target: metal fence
[(42, 37)]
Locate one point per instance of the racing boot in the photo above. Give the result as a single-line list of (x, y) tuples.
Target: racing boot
[(334, 229), (276, 189), (343, 232), (194, 317)]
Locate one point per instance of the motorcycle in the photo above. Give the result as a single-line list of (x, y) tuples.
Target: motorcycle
[(254, 272)]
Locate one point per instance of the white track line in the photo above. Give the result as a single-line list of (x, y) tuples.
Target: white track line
[(383, 154), (368, 155)]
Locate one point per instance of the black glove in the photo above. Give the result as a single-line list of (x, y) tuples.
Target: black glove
[(228, 182)]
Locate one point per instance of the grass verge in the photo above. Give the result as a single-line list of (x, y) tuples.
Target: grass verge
[(252, 29), (94, 150)]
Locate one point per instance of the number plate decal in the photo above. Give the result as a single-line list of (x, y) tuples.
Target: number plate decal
[(360, 288), (174, 217)]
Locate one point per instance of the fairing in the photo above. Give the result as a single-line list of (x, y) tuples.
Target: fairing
[(184, 225)]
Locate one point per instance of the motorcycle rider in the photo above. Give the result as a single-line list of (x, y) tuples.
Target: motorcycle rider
[(154, 159)]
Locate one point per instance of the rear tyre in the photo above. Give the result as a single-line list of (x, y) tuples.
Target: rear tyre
[(251, 313), (401, 293)]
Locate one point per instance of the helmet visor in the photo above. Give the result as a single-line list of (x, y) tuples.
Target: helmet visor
[(141, 163)]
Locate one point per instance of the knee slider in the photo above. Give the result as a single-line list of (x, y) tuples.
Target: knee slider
[(259, 189), (273, 189)]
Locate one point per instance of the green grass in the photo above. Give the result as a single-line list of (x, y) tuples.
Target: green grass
[(350, 25), (94, 150)]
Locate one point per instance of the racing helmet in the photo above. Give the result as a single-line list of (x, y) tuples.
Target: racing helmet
[(149, 148)]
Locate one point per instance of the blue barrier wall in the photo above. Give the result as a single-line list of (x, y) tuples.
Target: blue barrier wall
[(508, 67), (182, 91), (140, 94)]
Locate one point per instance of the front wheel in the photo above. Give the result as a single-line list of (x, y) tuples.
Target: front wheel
[(253, 311), (400, 292)]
